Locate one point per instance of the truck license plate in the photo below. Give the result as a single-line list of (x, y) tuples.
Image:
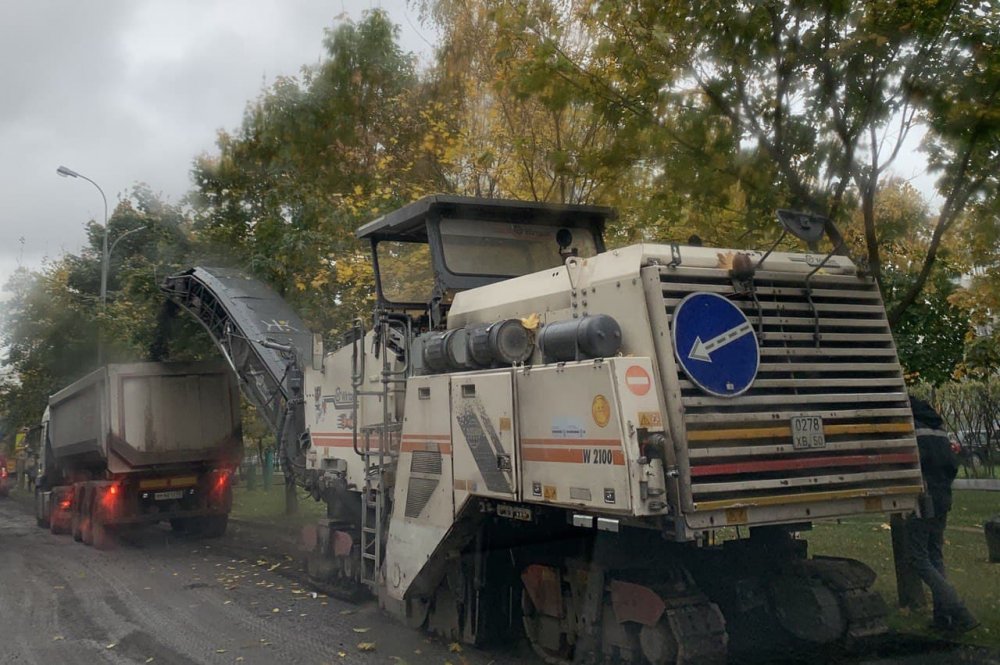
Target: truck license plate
[(514, 512), (168, 496), (807, 432)]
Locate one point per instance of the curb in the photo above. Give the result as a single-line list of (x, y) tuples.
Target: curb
[(987, 484)]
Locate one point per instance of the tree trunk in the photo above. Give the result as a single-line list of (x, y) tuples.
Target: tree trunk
[(291, 496)]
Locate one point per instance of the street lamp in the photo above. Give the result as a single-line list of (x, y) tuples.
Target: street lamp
[(105, 254)]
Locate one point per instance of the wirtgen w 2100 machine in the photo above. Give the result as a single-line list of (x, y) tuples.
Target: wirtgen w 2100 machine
[(614, 449)]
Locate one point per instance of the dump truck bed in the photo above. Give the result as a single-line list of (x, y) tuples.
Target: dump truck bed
[(130, 417)]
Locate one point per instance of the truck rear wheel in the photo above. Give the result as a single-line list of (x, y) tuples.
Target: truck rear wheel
[(56, 526), (86, 515), (212, 526), (101, 536), (41, 518), (180, 524), (76, 521)]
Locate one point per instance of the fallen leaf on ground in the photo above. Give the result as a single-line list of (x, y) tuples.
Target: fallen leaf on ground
[(111, 646), (361, 630), (366, 646), (455, 647)]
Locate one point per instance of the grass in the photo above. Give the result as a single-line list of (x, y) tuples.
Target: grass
[(969, 569), (267, 505)]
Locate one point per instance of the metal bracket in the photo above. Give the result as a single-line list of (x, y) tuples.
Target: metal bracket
[(675, 255), (573, 266)]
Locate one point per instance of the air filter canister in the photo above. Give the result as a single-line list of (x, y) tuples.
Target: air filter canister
[(597, 336)]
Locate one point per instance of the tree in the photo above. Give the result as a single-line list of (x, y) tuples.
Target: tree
[(930, 337), (315, 157), (514, 134), (53, 322), (49, 331), (748, 106)]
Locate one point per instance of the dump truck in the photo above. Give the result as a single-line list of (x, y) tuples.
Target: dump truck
[(140, 443), (611, 451)]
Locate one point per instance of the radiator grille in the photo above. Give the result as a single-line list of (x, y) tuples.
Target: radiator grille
[(418, 494), (833, 358), (425, 461)]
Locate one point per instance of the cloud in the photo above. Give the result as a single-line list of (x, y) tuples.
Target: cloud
[(129, 91)]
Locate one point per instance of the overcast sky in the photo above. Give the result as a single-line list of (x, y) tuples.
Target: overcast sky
[(125, 91)]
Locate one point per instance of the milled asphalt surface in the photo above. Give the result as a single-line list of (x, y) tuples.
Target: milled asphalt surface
[(159, 597), (165, 599)]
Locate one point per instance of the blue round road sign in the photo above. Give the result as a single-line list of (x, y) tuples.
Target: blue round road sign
[(715, 344)]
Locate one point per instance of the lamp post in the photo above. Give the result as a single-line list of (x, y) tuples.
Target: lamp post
[(105, 254)]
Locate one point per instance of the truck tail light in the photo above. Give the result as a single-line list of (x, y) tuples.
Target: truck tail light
[(221, 480), (111, 496), (65, 504), (3, 472)]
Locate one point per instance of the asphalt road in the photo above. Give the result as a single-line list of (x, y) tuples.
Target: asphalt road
[(165, 599), (162, 598)]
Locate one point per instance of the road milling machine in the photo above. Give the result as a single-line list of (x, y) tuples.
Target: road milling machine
[(611, 450)]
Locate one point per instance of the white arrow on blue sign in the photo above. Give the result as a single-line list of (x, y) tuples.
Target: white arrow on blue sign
[(715, 344)]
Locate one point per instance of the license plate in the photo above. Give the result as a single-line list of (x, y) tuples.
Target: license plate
[(807, 432), (168, 496), (514, 512)]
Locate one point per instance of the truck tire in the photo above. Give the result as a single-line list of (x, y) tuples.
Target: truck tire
[(76, 522), (86, 519), (41, 519), (212, 526), (55, 528), (101, 536)]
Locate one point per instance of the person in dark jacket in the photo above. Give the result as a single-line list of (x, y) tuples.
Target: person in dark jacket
[(925, 532)]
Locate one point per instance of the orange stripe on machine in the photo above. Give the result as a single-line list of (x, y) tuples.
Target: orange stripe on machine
[(333, 439), (430, 444), (573, 451), (593, 443)]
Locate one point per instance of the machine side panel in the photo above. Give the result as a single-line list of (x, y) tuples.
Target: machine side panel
[(482, 425), (574, 452), (639, 410), (423, 499), (330, 413)]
